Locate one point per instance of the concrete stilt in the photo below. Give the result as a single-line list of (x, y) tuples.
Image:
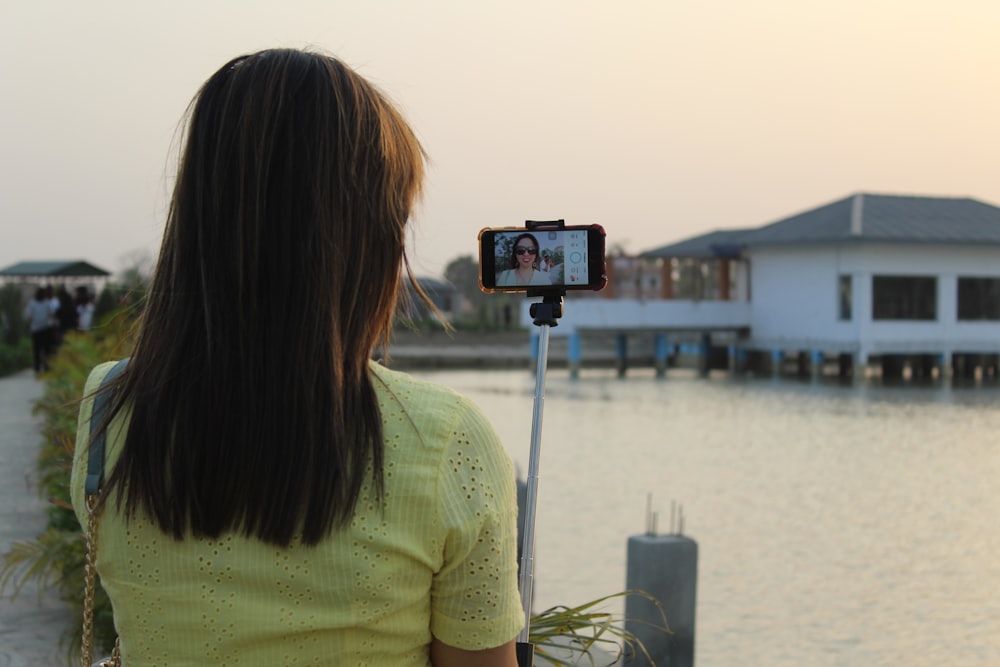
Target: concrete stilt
[(945, 365), (860, 366), (816, 364), (575, 354), (661, 354), (777, 357), (705, 355), (666, 567), (741, 359), (621, 349)]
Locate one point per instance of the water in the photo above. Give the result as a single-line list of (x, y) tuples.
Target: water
[(837, 525)]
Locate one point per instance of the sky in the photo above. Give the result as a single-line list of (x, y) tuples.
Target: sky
[(658, 119)]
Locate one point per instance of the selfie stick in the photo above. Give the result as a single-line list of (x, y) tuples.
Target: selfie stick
[(545, 315)]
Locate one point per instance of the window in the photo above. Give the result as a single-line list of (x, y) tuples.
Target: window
[(904, 298), (846, 300), (979, 298)]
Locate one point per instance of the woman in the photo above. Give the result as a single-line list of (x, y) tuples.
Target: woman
[(551, 269), (523, 264), (84, 309), (66, 314), (270, 492)]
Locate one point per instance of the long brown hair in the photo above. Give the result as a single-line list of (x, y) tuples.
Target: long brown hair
[(513, 250), (252, 409)]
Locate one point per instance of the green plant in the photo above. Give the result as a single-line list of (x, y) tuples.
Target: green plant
[(565, 635), (15, 357), (11, 324), (54, 558)]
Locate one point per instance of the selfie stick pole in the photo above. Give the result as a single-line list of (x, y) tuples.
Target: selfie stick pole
[(545, 315)]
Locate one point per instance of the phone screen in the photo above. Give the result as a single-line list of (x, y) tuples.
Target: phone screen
[(523, 259)]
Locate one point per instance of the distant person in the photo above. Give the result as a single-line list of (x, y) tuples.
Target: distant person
[(524, 265), (551, 269), (66, 314), (53, 330), (38, 314), (84, 309), (273, 495)]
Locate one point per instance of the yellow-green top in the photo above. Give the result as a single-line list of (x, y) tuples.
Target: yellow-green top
[(440, 558)]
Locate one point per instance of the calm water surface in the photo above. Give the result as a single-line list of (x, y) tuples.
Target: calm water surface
[(837, 525)]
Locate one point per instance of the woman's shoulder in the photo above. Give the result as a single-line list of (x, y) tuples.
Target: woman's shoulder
[(428, 406), (405, 387)]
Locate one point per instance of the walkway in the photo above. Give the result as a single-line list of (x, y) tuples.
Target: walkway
[(31, 628)]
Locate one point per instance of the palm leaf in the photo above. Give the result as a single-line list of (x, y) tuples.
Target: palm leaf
[(52, 560)]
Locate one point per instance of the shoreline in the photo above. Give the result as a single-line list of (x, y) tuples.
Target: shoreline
[(437, 349), (471, 350)]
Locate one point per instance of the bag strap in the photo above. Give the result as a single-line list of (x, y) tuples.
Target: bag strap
[(95, 456), (95, 477)]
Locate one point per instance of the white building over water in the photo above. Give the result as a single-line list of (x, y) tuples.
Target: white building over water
[(902, 280)]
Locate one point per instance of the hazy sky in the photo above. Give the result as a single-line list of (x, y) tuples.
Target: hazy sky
[(657, 119)]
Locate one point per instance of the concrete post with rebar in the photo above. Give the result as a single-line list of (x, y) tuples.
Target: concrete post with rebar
[(664, 567)]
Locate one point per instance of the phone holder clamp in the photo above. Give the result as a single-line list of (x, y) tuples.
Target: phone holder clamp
[(549, 309)]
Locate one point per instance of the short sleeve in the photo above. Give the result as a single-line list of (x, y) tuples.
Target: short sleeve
[(475, 601)]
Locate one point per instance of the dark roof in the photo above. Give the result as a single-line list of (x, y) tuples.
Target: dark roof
[(887, 218), (63, 269), (862, 217), (717, 244)]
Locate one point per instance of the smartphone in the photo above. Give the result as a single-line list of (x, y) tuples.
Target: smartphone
[(519, 259)]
